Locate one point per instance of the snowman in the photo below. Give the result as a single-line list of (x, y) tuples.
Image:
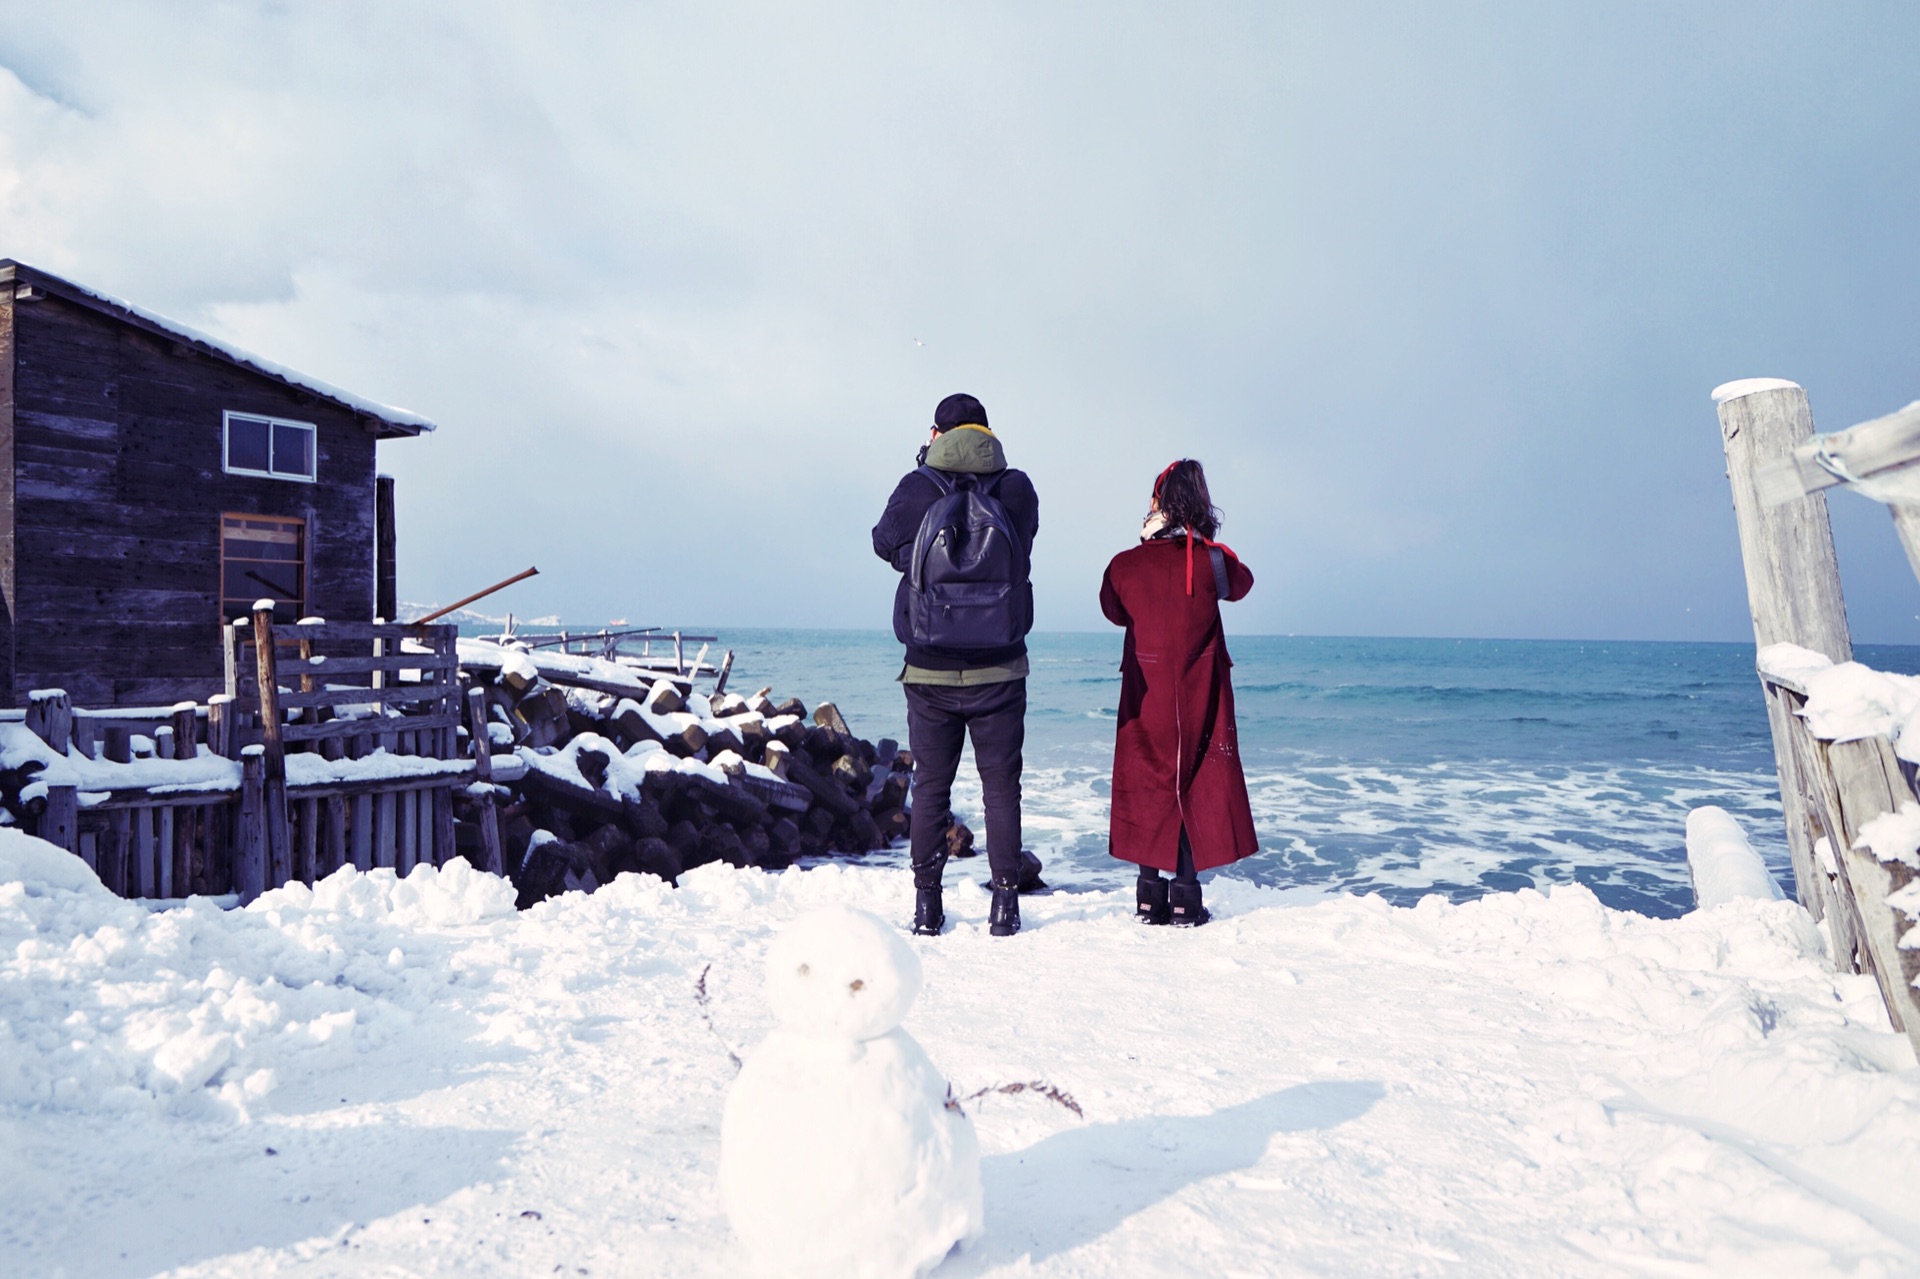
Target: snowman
[(839, 1155)]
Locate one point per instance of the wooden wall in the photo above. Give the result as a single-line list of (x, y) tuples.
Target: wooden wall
[(6, 499), (118, 494)]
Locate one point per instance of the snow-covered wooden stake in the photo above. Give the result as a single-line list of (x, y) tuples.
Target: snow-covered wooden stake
[(274, 761), (50, 717)]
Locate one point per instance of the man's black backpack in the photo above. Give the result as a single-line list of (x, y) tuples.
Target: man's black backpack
[(967, 584)]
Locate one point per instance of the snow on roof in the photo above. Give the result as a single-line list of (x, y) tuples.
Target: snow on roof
[(404, 420)]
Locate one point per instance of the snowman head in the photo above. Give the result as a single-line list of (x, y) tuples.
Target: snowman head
[(841, 973)]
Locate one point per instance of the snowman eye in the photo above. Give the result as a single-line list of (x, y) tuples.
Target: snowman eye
[(804, 970), (856, 985)]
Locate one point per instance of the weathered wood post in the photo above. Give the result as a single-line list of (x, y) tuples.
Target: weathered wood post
[(274, 755), (249, 828), (60, 822), (386, 589), (221, 736), (491, 858), (186, 730), (50, 716), (1793, 580)]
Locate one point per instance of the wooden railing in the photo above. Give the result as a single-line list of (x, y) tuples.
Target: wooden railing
[(346, 750), (1829, 790)]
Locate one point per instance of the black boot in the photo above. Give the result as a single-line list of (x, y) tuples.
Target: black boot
[(1152, 898), (928, 914), (1183, 902), (1004, 921)]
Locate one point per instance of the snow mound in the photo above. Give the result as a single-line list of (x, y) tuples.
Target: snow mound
[(196, 1010), (1723, 864)]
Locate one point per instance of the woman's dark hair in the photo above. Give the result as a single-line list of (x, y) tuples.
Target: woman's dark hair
[(1182, 493)]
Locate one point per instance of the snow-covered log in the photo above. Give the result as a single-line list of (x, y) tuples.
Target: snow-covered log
[(1722, 863)]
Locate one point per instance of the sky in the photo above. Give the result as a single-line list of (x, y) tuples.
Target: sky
[(1437, 293)]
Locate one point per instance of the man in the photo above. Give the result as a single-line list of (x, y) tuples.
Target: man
[(960, 530)]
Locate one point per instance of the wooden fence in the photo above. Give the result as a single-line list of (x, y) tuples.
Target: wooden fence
[(1828, 790), (346, 736)]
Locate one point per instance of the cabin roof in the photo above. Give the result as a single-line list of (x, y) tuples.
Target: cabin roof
[(384, 420)]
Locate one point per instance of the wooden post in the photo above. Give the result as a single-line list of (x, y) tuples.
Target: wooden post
[(336, 831), (118, 852), (306, 864), (726, 669), (363, 832), (491, 857), (386, 589), (50, 716), (220, 726), (186, 730), (140, 883), (60, 822), (443, 846), (163, 850), (274, 757), (679, 656), (250, 830), (119, 744), (163, 742), (1793, 580), (83, 739)]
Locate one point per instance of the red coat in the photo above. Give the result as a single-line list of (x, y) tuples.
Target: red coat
[(1176, 711)]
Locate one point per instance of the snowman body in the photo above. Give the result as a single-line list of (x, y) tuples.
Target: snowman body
[(839, 1155)]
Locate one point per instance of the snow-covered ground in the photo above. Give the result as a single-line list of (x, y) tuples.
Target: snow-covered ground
[(384, 1077)]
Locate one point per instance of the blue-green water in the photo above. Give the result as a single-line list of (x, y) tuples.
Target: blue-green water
[(1397, 766)]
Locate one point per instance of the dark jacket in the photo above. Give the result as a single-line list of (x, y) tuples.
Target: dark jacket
[(965, 450), (1176, 750)]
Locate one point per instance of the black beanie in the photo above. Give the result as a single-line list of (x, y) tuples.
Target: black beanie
[(959, 410)]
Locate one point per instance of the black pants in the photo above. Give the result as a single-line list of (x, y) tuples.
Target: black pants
[(939, 718), (1183, 864)]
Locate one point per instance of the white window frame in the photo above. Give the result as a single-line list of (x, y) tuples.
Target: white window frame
[(226, 432)]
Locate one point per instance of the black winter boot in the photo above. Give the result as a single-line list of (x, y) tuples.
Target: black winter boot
[(1004, 921), (928, 914), (1152, 897), (1183, 901)]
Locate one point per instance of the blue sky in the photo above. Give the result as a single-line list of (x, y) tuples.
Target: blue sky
[(1436, 292)]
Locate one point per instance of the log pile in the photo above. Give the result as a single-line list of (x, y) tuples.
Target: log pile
[(587, 785)]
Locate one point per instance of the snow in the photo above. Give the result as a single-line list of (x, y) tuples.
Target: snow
[(1848, 702), (1723, 864), (1519, 1085), (839, 1154), (1894, 837), (1749, 386), (1791, 662)]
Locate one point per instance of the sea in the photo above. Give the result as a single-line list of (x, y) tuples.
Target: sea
[(1401, 767)]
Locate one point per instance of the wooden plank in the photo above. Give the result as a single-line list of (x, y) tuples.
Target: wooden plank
[(60, 821), (1859, 452), (187, 823), (356, 727), (385, 573), (140, 879), (163, 851), (1906, 523), (250, 827), (443, 840), (306, 864), (385, 832), (336, 855), (356, 664), (408, 852), (1867, 778), (362, 830), (279, 834), (116, 850), (400, 695), (492, 855)]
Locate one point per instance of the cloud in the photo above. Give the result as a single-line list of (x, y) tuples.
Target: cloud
[(1437, 296)]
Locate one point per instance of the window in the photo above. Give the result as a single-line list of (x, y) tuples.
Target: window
[(269, 446), (263, 557)]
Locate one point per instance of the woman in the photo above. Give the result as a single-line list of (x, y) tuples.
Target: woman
[(1179, 797)]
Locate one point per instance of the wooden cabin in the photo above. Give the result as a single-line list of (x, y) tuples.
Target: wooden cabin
[(154, 483)]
